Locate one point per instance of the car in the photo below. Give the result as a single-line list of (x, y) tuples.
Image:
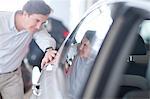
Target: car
[(105, 57)]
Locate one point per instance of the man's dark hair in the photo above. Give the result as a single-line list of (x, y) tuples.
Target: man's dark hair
[(90, 35), (37, 7)]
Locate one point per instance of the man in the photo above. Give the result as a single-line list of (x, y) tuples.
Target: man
[(78, 65), (16, 32)]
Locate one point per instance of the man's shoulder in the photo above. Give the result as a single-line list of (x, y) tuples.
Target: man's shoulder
[(5, 13), (5, 20)]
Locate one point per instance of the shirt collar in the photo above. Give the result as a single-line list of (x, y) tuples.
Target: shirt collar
[(12, 21)]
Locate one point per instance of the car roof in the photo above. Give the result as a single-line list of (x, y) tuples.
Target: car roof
[(142, 4)]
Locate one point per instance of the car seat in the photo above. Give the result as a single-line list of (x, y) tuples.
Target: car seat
[(137, 95), (134, 67), (134, 77), (140, 94)]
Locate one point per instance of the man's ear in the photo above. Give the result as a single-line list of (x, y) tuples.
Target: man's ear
[(25, 13)]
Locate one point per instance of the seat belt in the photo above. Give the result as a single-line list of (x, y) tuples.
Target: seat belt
[(142, 59)]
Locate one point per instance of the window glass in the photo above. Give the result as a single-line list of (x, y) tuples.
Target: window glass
[(82, 48), (145, 33)]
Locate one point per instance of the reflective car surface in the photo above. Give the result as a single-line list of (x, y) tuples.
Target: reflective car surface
[(105, 57)]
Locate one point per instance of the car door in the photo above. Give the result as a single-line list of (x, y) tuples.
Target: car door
[(111, 61), (82, 47)]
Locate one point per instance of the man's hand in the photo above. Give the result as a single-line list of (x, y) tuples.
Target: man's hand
[(49, 57)]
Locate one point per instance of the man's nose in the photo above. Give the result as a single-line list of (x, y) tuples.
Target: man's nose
[(38, 26), (81, 47)]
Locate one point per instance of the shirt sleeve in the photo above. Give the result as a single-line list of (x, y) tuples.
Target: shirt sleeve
[(44, 39)]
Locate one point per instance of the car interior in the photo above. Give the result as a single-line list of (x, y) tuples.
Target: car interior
[(135, 70), (139, 66), (134, 83), (136, 76)]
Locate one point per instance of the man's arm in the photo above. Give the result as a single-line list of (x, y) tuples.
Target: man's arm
[(44, 40), (47, 44)]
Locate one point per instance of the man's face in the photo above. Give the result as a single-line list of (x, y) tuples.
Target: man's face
[(33, 22), (84, 48)]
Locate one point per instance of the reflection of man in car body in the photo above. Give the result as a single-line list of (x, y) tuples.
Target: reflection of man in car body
[(84, 48), (16, 31), (81, 64)]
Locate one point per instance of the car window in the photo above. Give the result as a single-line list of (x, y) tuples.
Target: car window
[(145, 33), (82, 48)]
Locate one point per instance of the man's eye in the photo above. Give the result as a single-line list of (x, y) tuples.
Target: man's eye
[(85, 44), (37, 20), (45, 23)]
